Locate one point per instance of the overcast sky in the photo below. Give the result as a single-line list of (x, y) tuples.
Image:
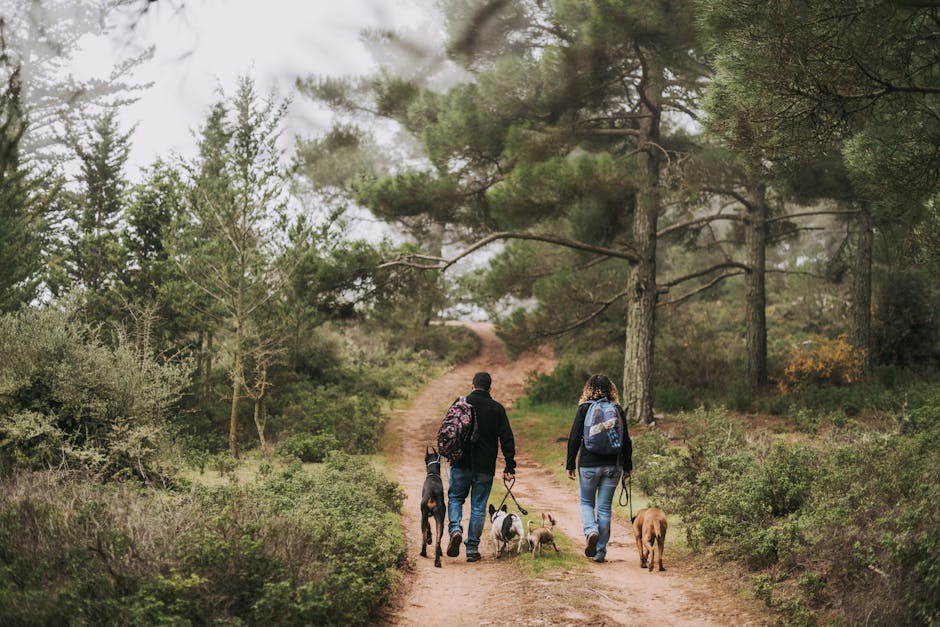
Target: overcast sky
[(204, 45)]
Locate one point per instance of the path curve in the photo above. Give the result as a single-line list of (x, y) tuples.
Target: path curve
[(492, 592)]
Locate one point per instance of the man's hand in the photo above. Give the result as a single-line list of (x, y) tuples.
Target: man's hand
[(509, 477), (571, 474), (625, 478)]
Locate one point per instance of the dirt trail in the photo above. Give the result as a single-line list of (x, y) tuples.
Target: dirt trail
[(487, 592)]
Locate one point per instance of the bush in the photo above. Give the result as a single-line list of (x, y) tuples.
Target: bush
[(848, 521), (823, 362), (67, 399), (673, 397), (906, 327), (308, 448), (293, 549), (562, 385)]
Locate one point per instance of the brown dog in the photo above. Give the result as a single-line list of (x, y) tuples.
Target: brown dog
[(649, 529), (542, 535)]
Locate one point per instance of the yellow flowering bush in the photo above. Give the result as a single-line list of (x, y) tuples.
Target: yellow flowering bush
[(823, 361)]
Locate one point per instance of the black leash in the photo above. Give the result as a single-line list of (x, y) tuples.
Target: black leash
[(626, 488), (508, 487)]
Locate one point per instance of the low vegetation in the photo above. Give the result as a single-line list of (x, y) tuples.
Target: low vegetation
[(102, 523), (830, 504), (264, 552)]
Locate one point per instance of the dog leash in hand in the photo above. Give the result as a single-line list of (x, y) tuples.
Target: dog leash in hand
[(508, 487), (628, 490)]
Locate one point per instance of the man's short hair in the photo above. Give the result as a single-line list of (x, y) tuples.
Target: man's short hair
[(482, 381)]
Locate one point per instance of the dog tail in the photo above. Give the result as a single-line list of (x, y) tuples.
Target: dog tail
[(529, 526)]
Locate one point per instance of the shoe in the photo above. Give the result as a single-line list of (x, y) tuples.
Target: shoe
[(453, 547), (600, 559), (473, 557), (591, 549)]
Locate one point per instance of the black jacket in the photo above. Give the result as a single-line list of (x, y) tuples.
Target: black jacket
[(494, 430), (593, 460)]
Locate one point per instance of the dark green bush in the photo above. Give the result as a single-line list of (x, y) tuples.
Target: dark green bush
[(847, 521), (299, 548), (673, 397), (562, 385), (906, 326), (308, 448)]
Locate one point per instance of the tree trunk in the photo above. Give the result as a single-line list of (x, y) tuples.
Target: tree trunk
[(436, 248), (861, 289), (261, 410), (755, 299), (641, 300), (236, 394), (207, 374), (260, 419)]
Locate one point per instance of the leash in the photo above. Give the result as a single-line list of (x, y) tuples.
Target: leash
[(627, 489), (508, 487)]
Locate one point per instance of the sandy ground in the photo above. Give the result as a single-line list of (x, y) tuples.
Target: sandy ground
[(491, 592)]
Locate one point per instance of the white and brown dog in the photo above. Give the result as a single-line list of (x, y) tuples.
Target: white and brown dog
[(542, 535), (505, 526)]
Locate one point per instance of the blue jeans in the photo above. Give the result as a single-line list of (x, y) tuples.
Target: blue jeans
[(597, 486), (463, 481)]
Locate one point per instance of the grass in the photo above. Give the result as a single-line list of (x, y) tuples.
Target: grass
[(568, 557)]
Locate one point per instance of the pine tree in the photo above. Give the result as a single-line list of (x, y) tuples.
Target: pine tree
[(559, 144), (236, 221), (95, 257), (21, 226)]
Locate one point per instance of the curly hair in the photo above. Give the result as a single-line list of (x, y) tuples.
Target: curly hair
[(599, 386)]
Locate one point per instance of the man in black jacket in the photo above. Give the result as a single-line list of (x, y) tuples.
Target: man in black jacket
[(473, 474)]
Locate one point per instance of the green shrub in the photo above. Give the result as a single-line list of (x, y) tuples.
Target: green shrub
[(295, 548), (308, 448), (673, 397), (562, 385), (741, 398), (906, 327), (66, 399), (847, 521)]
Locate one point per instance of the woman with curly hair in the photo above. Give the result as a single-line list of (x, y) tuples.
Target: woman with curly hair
[(604, 453)]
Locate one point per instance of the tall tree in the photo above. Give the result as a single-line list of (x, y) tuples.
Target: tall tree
[(796, 80), (238, 220), (564, 144), (22, 226), (94, 257), (43, 37), (151, 280)]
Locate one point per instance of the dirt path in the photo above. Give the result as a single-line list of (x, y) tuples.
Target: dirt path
[(488, 592)]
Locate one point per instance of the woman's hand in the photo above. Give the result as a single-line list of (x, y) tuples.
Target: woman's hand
[(571, 474)]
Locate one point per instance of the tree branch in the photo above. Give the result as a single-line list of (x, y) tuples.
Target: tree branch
[(694, 221), (444, 264), (814, 213), (729, 192), (695, 275), (698, 290), (609, 131), (582, 321)]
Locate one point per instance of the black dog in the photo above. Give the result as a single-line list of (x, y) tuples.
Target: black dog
[(432, 503)]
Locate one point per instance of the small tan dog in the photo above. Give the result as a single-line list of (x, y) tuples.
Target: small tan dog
[(649, 529), (542, 535)]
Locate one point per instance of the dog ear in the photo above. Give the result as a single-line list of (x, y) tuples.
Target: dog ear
[(427, 451), (492, 509), (503, 509)]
